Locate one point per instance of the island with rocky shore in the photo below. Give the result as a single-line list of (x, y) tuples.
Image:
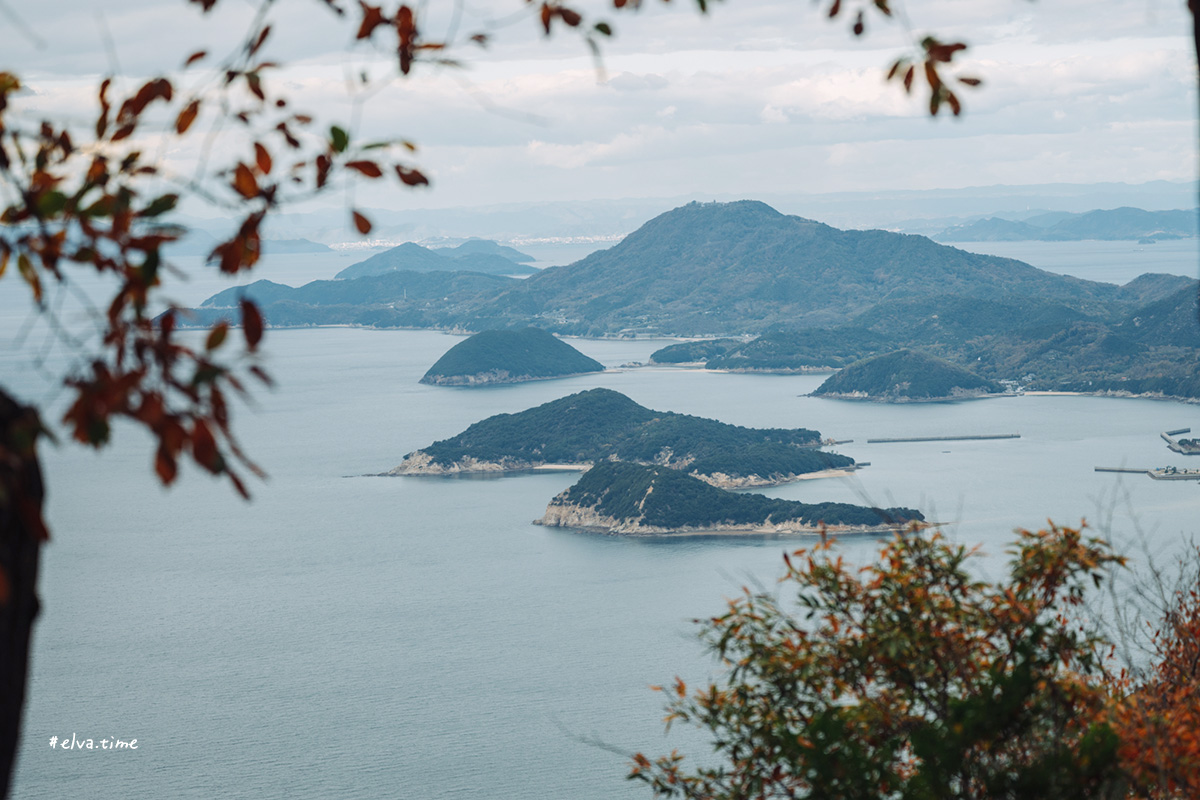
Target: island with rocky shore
[(603, 425), (509, 356), (639, 500), (906, 376)]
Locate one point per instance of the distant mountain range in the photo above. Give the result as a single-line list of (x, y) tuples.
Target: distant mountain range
[(817, 297), (1111, 225), (476, 255), (725, 268), (199, 243)]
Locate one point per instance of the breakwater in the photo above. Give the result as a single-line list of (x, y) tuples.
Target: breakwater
[(1158, 474), (947, 438), (1187, 447)]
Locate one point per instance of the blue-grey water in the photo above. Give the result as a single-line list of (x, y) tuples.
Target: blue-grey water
[(348, 636)]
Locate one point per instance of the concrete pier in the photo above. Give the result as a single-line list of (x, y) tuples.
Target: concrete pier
[(947, 438)]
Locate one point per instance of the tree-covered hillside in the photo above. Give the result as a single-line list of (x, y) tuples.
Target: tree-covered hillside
[(601, 424), (508, 357), (743, 267), (906, 375), (694, 352), (666, 498)]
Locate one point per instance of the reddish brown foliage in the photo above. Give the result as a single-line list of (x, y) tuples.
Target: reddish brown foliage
[(1158, 718)]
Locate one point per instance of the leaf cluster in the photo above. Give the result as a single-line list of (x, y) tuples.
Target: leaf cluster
[(907, 678)]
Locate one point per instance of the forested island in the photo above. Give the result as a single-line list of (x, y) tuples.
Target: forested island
[(491, 357), (603, 425), (906, 376), (636, 499)]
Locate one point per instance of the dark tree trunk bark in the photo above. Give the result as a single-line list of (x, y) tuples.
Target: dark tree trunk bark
[(22, 531)]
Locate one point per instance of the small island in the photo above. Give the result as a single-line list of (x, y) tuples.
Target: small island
[(637, 500), (576, 431), (906, 376), (515, 356)]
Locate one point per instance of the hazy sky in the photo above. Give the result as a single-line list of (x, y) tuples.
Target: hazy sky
[(759, 96)]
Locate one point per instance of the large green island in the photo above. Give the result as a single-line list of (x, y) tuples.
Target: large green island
[(640, 500), (490, 357), (602, 425)]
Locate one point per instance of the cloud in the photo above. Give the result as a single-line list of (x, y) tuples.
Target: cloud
[(752, 98)]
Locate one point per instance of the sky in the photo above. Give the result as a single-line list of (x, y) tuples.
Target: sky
[(756, 97)]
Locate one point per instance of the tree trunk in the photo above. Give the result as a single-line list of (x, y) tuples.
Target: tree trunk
[(22, 531)]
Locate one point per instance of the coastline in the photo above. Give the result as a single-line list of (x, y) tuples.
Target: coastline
[(421, 465), (560, 514)]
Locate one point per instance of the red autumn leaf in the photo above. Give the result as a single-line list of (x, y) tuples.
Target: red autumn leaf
[(406, 34), (262, 158), (361, 223), (105, 107), (217, 335), (932, 77), (262, 38), (204, 447), (187, 116), (252, 323), (368, 168), (244, 182), (164, 465), (372, 19), (323, 166), (261, 374), (411, 177), (194, 57)]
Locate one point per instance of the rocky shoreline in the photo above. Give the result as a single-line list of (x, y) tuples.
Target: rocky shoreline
[(569, 515), (898, 399), (421, 463), (490, 378)]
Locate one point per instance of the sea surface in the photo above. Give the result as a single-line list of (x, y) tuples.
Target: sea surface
[(344, 635)]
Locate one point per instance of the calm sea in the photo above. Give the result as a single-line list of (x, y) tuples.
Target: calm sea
[(350, 636)]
